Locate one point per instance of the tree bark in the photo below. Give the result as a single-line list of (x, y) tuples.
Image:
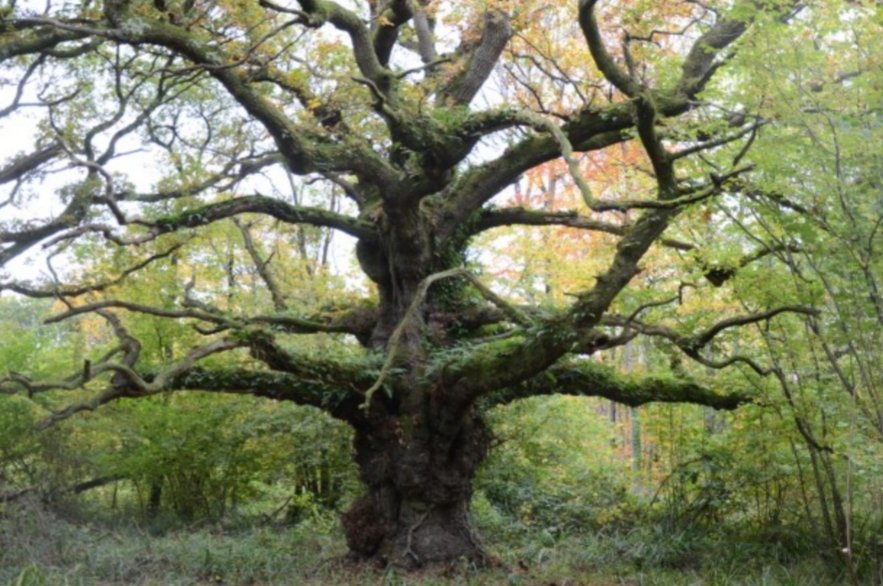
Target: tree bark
[(154, 501), (419, 484)]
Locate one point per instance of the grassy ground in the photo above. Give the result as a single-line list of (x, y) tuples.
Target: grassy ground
[(39, 548)]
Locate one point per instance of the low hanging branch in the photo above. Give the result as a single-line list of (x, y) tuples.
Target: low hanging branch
[(593, 379), (125, 380)]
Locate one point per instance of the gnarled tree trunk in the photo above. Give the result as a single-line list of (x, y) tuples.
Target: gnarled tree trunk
[(419, 484)]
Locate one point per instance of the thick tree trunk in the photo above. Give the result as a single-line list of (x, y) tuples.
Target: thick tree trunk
[(416, 455), (419, 481)]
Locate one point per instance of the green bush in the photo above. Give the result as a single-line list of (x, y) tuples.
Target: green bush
[(199, 457), (555, 466)]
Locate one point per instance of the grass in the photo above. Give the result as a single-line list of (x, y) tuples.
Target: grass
[(38, 547)]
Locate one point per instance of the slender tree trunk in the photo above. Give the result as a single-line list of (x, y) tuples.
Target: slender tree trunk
[(154, 500)]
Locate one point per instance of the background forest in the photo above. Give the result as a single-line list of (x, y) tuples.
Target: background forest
[(768, 292)]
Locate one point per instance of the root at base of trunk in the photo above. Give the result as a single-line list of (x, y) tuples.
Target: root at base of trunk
[(436, 535)]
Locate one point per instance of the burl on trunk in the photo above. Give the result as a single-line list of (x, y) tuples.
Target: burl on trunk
[(419, 484)]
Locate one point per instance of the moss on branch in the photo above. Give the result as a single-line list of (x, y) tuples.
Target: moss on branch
[(280, 386), (592, 379), (259, 204)]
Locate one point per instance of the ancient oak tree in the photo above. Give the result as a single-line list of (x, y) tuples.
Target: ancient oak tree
[(152, 125)]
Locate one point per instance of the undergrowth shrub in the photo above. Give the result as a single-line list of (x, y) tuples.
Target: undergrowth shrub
[(554, 465)]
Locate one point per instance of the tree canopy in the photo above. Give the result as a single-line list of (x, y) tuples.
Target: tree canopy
[(188, 162)]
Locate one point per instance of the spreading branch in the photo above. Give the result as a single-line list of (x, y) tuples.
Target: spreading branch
[(693, 345), (260, 204), (496, 34), (592, 379), (410, 316), (603, 60), (495, 218)]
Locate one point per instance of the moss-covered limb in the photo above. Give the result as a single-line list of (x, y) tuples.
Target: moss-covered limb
[(125, 380), (343, 373), (629, 251), (465, 319), (700, 63), (481, 183), (718, 274), (646, 114), (19, 166), (358, 321), (17, 40), (307, 380), (109, 394), (53, 292), (240, 381), (386, 26), (603, 60), (15, 382), (484, 122), (188, 313), (158, 381), (589, 378), (280, 386), (501, 363), (504, 363), (260, 204), (496, 34), (369, 64), (22, 240), (704, 56)]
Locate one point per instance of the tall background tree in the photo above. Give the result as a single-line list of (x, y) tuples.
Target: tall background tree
[(190, 161)]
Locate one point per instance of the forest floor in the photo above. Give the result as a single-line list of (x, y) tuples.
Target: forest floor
[(38, 547)]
